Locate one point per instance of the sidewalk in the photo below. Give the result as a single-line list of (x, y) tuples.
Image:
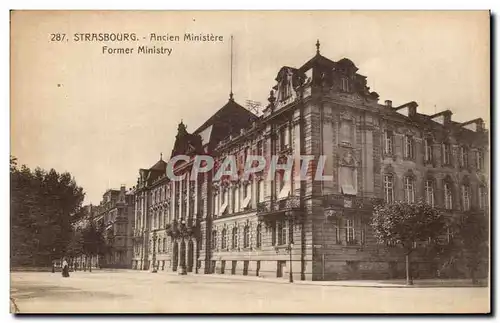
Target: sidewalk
[(399, 283)]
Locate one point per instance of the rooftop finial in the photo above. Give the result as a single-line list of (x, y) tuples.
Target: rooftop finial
[(161, 156), (317, 47)]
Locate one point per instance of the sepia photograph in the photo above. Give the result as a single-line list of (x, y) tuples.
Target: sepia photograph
[(293, 162)]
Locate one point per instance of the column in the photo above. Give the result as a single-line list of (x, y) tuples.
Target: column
[(296, 143), (188, 197), (172, 200)]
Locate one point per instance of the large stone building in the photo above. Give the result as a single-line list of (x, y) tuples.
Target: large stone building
[(116, 214), (319, 230)]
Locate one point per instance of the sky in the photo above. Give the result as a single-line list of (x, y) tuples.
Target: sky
[(101, 117)]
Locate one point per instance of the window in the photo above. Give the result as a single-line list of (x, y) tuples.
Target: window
[(246, 237), (479, 160), (409, 190), (280, 174), (449, 235), (273, 234), (164, 244), (260, 191), (159, 245), (345, 84), (465, 197), (224, 239), (247, 196), (258, 238), (347, 180), (388, 142), (349, 231), (408, 147), (282, 232), (446, 154), (234, 242), (388, 188), (338, 239), (448, 197), (214, 239), (346, 131), (482, 197), (216, 204), (283, 138), (464, 158), (363, 234), (429, 192), (224, 201), (260, 150), (234, 199)]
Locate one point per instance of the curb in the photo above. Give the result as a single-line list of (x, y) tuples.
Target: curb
[(329, 284)]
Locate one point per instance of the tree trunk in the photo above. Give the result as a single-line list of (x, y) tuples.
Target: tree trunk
[(409, 279)]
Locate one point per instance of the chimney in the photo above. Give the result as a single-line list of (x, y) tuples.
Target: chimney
[(388, 103), (447, 117), (122, 188)]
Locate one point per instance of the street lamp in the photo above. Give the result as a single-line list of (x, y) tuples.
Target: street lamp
[(291, 271), (182, 261)]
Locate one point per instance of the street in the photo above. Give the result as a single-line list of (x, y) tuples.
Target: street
[(144, 292)]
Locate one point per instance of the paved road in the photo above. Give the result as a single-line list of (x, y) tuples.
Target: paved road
[(143, 292)]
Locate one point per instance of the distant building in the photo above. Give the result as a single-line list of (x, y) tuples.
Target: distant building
[(375, 153), (116, 214)]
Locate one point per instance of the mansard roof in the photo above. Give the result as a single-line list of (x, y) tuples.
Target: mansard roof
[(160, 165), (317, 60), (229, 113)]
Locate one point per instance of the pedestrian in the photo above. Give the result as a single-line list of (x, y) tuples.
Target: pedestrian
[(53, 267), (65, 268)]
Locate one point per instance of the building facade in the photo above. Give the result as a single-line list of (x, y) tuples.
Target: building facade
[(318, 230), (116, 214)]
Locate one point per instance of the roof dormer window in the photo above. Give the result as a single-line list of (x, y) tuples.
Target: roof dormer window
[(345, 84)]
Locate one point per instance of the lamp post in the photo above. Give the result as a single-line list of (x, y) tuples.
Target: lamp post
[(182, 261), (153, 260), (290, 251)]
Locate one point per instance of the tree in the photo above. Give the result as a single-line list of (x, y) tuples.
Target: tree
[(44, 207), (404, 224), (93, 240), (472, 241)]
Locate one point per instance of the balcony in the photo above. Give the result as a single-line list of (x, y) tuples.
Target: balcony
[(182, 229), (350, 202), (276, 208)]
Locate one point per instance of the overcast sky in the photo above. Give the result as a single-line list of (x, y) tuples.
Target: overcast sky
[(102, 117)]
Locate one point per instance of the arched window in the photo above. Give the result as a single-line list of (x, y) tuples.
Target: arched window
[(224, 239), (246, 237), (409, 189), (234, 243), (258, 239)]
